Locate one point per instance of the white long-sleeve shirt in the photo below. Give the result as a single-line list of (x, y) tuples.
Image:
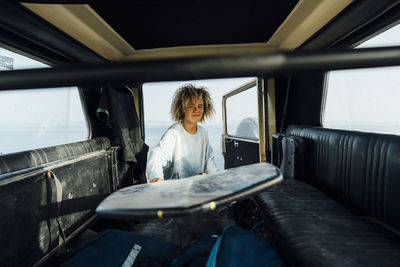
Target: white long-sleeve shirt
[(181, 154)]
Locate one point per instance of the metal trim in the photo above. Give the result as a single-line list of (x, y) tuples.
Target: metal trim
[(207, 67), (261, 120)]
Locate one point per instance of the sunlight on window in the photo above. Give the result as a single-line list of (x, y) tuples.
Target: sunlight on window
[(243, 122), (365, 99), (31, 119)]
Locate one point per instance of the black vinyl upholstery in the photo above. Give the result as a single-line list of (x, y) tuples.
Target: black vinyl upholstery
[(345, 213), (361, 169), (48, 196), (32, 158)]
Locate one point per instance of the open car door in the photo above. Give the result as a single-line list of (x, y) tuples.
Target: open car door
[(243, 137)]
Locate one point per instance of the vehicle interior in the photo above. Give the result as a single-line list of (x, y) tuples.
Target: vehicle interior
[(338, 203)]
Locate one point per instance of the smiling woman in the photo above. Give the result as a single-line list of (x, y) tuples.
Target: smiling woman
[(191, 105), (184, 150), (193, 114), (161, 94)]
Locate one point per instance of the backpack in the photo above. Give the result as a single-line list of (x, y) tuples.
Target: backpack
[(120, 248), (229, 246)]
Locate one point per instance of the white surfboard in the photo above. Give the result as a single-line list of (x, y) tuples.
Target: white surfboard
[(201, 193)]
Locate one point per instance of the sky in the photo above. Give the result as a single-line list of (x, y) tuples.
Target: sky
[(390, 37), (365, 99), (50, 107)]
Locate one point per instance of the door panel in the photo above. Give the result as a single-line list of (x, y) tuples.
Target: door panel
[(240, 152)]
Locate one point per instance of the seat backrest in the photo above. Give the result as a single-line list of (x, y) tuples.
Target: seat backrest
[(48, 197), (362, 170), (32, 158)]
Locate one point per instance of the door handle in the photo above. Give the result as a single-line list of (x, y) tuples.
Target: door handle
[(236, 144)]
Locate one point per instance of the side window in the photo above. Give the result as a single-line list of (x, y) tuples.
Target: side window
[(365, 99), (243, 122), (31, 119)]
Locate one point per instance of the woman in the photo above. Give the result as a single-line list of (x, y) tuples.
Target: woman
[(184, 150)]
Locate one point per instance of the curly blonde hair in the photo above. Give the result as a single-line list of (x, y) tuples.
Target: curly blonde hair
[(187, 93)]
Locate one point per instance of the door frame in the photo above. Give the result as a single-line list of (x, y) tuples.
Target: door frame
[(259, 83)]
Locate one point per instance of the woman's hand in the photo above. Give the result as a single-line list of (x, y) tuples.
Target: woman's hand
[(156, 180)]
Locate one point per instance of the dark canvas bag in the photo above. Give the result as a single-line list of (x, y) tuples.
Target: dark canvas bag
[(119, 248), (230, 246)]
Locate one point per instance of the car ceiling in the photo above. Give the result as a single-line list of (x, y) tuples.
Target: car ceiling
[(120, 29), (156, 24)]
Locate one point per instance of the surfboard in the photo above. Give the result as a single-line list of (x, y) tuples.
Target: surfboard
[(201, 193)]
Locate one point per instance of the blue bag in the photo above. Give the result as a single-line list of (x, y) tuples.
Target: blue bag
[(234, 246), (119, 248)]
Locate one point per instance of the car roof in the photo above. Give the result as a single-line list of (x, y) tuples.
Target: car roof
[(121, 29)]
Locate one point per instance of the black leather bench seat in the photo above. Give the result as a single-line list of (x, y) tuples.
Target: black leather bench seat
[(313, 230)]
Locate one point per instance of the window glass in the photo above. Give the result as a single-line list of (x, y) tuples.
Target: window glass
[(31, 119), (242, 114), (365, 99)]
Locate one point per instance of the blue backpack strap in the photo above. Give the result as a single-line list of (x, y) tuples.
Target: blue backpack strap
[(214, 252)]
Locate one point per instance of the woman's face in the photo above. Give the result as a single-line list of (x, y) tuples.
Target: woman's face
[(194, 111)]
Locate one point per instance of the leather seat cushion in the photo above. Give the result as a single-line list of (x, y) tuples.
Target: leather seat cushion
[(313, 230)]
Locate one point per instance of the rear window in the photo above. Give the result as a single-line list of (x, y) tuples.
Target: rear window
[(31, 119), (365, 99)]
